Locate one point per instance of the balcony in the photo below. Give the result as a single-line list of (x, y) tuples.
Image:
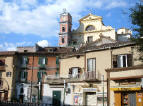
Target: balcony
[(2, 68), (42, 66), (86, 76), (23, 65)]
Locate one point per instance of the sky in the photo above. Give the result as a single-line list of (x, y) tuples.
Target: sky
[(27, 22)]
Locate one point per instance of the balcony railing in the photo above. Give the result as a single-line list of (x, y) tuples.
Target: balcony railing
[(24, 65), (85, 76), (2, 68), (42, 66)]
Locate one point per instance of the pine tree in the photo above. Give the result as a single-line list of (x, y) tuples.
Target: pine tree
[(137, 20)]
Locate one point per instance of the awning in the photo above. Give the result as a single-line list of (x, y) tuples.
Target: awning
[(126, 89)]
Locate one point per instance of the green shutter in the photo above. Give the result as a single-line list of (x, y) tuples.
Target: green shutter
[(40, 61), (57, 60), (46, 60), (44, 73), (26, 75), (27, 60), (21, 74), (39, 75), (20, 60)]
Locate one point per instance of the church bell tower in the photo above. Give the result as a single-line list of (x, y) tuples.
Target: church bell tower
[(65, 29)]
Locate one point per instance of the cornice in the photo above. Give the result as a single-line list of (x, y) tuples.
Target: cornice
[(86, 32)]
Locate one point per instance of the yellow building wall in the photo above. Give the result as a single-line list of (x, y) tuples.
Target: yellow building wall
[(8, 68), (103, 60), (67, 63), (96, 21)]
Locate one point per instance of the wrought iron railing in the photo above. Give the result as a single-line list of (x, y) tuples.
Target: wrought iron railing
[(93, 75)]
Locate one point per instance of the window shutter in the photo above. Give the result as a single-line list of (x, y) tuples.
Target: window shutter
[(44, 73), (57, 60), (114, 61), (27, 60), (26, 75), (70, 71), (88, 64), (129, 59), (46, 59), (40, 60), (21, 74), (39, 75), (93, 64)]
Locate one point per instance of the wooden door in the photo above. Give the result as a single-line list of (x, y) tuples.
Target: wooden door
[(56, 98), (139, 99), (117, 98)]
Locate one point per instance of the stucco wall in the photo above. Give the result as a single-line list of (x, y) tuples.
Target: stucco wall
[(67, 63), (95, 21), (128, 73), (103, 60), (8, 68)]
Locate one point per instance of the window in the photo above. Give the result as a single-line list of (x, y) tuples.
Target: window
[(124, 60), (90, 28), (63, 29), (40, 74), (8, 74), (1, 83), (42, 60), (89, 39), (2, 62), (23, 75), (21, 91), (63, 40), (74, 72), (24, 60), (91, 64)]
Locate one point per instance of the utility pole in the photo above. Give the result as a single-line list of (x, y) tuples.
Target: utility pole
[(103, 88), (64, 92), (32, 79)]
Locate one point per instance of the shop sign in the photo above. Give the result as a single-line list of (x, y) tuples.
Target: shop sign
[(139, 94), (89, 89), (125, 89)]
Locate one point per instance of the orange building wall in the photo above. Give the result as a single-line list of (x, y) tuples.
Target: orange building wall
[(51, 64)]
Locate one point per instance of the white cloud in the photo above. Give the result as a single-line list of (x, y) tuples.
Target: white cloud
[(29, 17), (43, 43), (116, 4), (12, 46)]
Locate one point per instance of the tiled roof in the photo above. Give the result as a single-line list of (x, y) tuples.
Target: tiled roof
[(7, 53), (87, 48)]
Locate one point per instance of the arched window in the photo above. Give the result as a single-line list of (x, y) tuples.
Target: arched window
[(63, 29), (63, 40), (90, 28)]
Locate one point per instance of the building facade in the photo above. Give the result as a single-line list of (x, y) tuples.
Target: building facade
[(83, 79), (90, 27), (7, 76), (32, 67)]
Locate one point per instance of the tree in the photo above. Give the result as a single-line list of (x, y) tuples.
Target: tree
[(137, 20)]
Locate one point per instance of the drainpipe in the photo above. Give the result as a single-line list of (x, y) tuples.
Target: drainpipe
[(64, 92), (108, 80)]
